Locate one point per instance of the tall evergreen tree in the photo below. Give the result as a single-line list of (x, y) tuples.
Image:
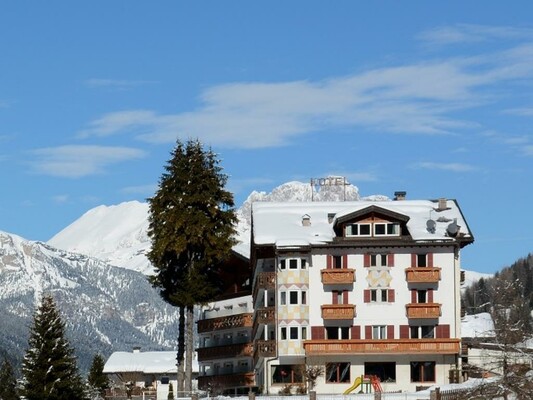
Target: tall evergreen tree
[(8, 382), (97, 380), (49, 367), (192, 227)]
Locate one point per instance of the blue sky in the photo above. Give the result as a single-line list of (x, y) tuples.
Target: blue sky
[(434, 98)]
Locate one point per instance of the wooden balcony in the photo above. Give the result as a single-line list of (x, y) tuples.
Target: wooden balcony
[(423, 310), (390, 346), (264, 348), (422, 275), (338, 276), (338, 311), (227, 322), (246, 379), (225, 351), (265, 281), (265, 315)]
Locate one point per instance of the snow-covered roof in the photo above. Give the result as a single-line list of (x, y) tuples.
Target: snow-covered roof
[(149, 362), (281, 224)]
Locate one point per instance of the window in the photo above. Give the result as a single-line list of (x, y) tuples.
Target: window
[(422, 332), (283, 333), (287, 374), (379, 295), (283, 298), (293, 333), (293, 263), (378, 260), (338, 372), (337, 262), (282, 264), (165, 380), (304, 332), (386, 229), (379, 332), (358, 230), (385, 371), (304, 297), (338, 297), (336, 332), (423, 371), (304, 263), (293, 297), (421, 296), (421, 260)]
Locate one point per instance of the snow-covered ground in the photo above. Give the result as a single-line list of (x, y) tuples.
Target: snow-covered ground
[(477, 325)]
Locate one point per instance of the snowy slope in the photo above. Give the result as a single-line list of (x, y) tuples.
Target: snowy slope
[(106, 308)]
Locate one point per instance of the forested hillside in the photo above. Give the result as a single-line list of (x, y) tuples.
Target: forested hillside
[(508, 296)]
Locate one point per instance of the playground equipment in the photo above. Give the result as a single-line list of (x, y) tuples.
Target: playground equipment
[(367, 383)]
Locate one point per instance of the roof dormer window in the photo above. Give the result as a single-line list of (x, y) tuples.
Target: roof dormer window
[(358, 230), (386, 229)]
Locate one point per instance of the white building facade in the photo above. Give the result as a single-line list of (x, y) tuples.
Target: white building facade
[(368, 291)]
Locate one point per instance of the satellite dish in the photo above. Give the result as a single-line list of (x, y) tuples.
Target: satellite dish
[(431, 225), (452, 229)]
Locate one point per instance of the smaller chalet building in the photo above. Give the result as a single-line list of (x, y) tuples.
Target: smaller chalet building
[(149, 372)]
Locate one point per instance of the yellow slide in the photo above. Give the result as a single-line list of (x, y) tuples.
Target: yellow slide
[(355, 385)]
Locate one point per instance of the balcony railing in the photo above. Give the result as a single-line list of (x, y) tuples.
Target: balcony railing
[(338, 311), (423, 310), (228, 351), (264, 348), (246, 379), (265, 315), (422, 275), (390, 346), (337, 276), (265, 281), (229, 322)]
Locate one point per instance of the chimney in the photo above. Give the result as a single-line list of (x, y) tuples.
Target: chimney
[(306, 220), (399, 195), (442, 204)]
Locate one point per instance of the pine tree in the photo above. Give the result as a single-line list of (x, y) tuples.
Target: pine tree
[(192, 227), (8, 383), (49, 367), (97, 380)]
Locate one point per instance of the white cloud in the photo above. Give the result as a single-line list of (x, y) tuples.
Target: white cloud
[(470, 33), (79, 161), (452, 167), (420, 98), (61, 198)]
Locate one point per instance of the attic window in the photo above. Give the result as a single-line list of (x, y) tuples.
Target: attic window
[(358, 230)]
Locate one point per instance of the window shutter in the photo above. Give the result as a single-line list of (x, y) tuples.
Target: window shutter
[(329, 262), (413, 261), (390, 259), (413, 296), (368, 332), (317, 332), (391, 296), (334, 297), (430, 260), (430, 295), (442, 331), (356, 332), (345, 261), (366, 261), (404, 331), (344, 297), (366, 295), (390, 331)]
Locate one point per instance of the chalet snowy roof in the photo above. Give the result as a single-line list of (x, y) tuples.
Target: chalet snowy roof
[(281, 224), (148, 362)]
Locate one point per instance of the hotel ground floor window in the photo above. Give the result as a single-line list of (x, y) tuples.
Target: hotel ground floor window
[(423, 371), (287, 374), (385, 371), (338, 372)]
